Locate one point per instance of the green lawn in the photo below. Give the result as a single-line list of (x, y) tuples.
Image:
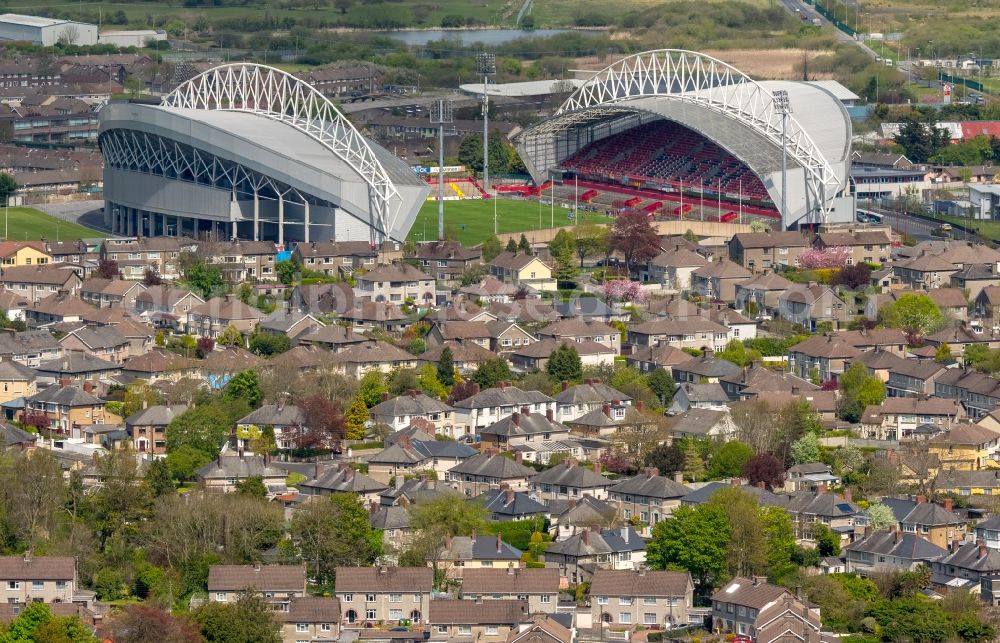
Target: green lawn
[(471, 221), (988, 228), (29, 223)]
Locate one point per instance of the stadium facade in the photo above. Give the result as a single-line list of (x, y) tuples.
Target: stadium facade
[(250, 151), (722, 107)]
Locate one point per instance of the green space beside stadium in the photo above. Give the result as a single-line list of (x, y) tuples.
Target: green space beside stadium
[(471, 221), (30, 224)]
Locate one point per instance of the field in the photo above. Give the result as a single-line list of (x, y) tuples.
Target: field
[(986, 228), (29, 223), (471, 221)]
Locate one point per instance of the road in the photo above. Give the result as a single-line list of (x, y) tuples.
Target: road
[(798, 9)]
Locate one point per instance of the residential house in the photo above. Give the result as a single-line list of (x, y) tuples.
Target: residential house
[(29, 348), (358, 359), (490, 289), (486, 471), (959, 337), (287, 421), (522, 428), (912, 377), (717, 281), (965, 566), (35, 283), (836, 512), (78, 369), (762, 251), (649, 358), (67, 409), (311, 618), (701, 423), (160, 365), (409, 457), (864, 246), (968, 483), (935, 523), (212, 318), (613, 418), (166, 306), (569, 479), (335, 258), (57, 308), (334, 338), (279, 584), (824, 357), (229, 469), (288, 323), (694, 332), (989, 531), (16, 381), (108, 293), (760, 295), (506, 504), (148, 427), (583, 330), (978, 393), (705, 369), (649, 496), (387, 595), (488, 622), (809, 476), (38, 579), (522, 270), (366, 314), (966, 446), (812, 305), (886, 339), (590, 308), (538, 587), (536, 355), (924, 272), (156, 254), (103, 342), (394, 523), (23, 253), (459, 553), (890, 550), (580, 399), (486, 407), (569, 517), (578, 557), (651, 599), (986, 305), (898, 417), (973, 278), (397, 283), (672, 268), (398, 412), (737, 605), (13, 305), (243, 261), (341, 478), (446, 260), (756, 381), (709, 396)]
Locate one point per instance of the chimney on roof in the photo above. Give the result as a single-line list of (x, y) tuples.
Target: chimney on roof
[(27, 557), (385, 396), (548, 415), (759, 580), (597, 467), (525, 410), (218, 461), (955, 544), (624, 533), (921, 500), (316, 470), (473, 536), (982, 547), (820, 489), (651, 472), (519, 457), (404, 441), (499, 544), (503, 386), (88, 386), (585, 536), (899, 537), (475, 388), (413, 392), (848, 495), (607, 409), (570, 462), (565, 385), (515, 417), (589, 381), (348, 474), (679, 477), (949, 504), (639, 404), (508, 496)]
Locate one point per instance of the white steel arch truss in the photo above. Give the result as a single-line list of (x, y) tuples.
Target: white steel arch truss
[(697, 78), (277, 95)]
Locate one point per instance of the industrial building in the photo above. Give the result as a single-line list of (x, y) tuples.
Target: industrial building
[(46, 31)]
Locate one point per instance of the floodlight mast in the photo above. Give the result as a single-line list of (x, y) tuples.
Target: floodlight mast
[(486, 66), (783, 107), (441, 113)]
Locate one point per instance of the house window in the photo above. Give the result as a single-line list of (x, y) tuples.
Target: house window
[(37, 585), (491, 630), (395, 598), (649, 618), (220, 597), (301, 627), (60, 584), (546, 598), (602, 600), (465, 630), (442, 629), (625, 600), (370, 598), (395, 615), (348, 598), (624, 617), (325, 627), (13, 584)]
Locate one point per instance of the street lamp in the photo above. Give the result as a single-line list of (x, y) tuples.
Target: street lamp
[(486, 66), (783, 107), (441, 113)]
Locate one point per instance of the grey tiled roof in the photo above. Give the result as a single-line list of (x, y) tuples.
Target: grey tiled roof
[(651, 486), (492, 466), (571, 475), (156, 415)]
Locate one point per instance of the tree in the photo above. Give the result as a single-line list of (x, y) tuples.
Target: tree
[(185, 460), (159, 479), (470, 152), (150, 278), (252, 486), (323, 419), (34, 491), (36, 623), (523, 245), (446, 367), (203, 279), (694, 466), (827, 540), (231, 336), (107, 269), (343, 5), (591, 241), (8, 186), (334, 532), (430, 384), (661, 382), (371, 387), (693, 539), (444, 517), (880, 516), (245, 386), (766, 468), (729, 460), (491, 248), (287, 271), (858, 390), (853, 276), (914, 314), (247, 620), (806, 449), (143, 623), (511, 245), (268, 344), (780, 535), (563, 251), (668, 458), (204, 346), (943, 354), (355, 419), (139, 395), (737, 353), (919, 140), (491, 372), (205, 426), (746, 550), (564, 364), (120, 504), (634, 237)]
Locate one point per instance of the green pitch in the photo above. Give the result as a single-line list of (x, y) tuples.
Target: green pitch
[(31, 224), (471, 221)]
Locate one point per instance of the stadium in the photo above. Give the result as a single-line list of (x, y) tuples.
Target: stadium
[(675, 133), (250, 151)]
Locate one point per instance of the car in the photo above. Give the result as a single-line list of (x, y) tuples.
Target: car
[(946, 227)]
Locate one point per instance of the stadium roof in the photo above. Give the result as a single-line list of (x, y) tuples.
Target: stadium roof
[(527, 88)]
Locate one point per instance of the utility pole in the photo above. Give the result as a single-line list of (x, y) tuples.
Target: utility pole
[(486, 66), (441, 113), (783, 107)]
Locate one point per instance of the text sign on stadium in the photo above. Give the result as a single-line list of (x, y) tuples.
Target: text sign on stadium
[(419, 169)]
